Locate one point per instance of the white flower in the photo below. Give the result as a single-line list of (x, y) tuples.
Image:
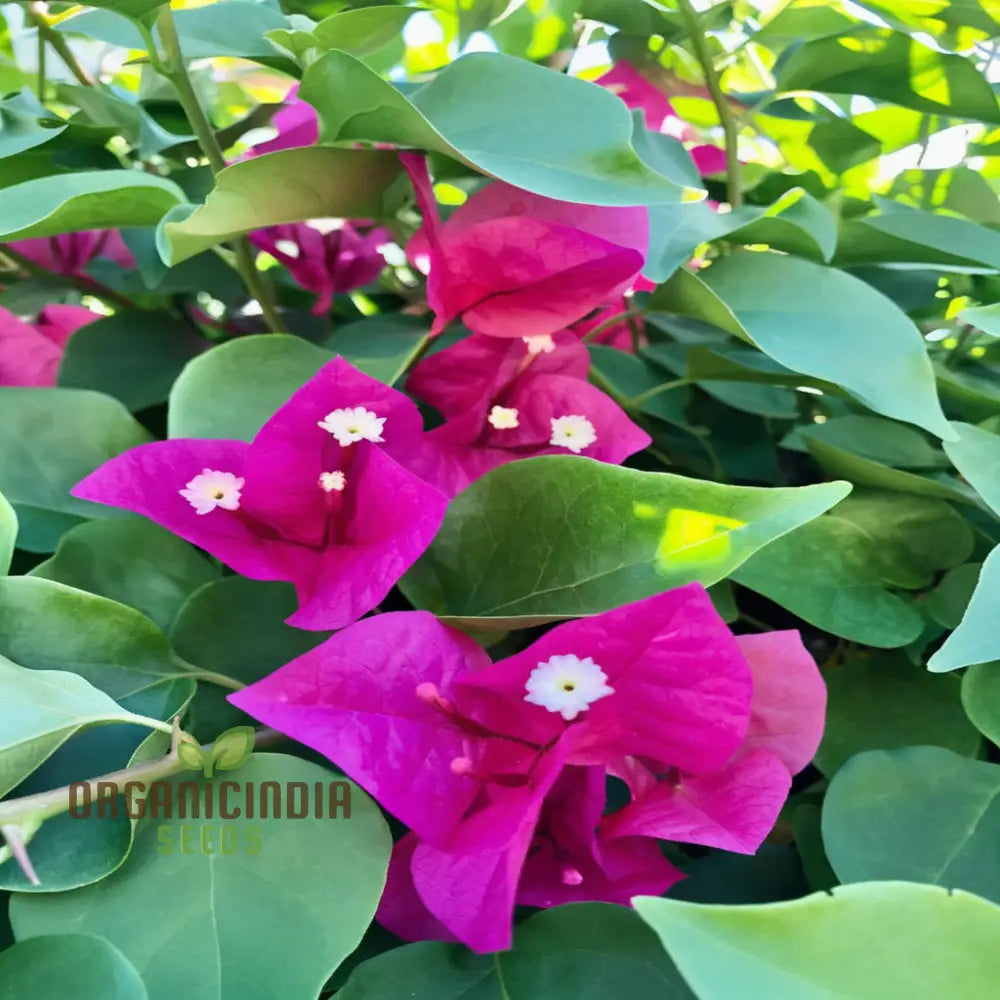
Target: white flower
[(575, 433), (567, 685), (211, 489), (353, 424), (332, 481), (503, 417), (542, 344)]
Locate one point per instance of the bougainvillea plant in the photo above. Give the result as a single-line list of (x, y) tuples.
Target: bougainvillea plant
[(498, 500)]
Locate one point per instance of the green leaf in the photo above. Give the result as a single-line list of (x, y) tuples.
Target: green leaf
[(308, 183), (947, 602), (560, 536), (39, 711), (233, 28), (976, 640), (192, 756), (46, 625), (588, 951), (132, 356), (891, 66), (569, 139), (870, 451), (132, 561), (972, 392), (51, 438), (361, 31), (42, 967), (795, 223), (843, 331), (232, 748), (984, 318), (904, 234), (913, 538), (824, 573), (24, 123), (233, 389), (381, 346), (930, 944), (134, 10), (236, 627), (206, 880), (69, 852), (878, 801), (976, 455), (882, 701), (981, 698), (8, 532), (95, 199)]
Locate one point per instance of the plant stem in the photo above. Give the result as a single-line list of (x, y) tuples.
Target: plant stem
[(42, 47), (45, 805), (171, 65), (82, 282), (37, 15), (734, 189), (622, 317), (656, 390), (959, 351)]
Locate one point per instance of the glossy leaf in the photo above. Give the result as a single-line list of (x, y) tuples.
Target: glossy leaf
[(132, 561), (41, 968), (981, 698), (8, 532), (879, 800), (557, 537), (570, 140), (331, 872), (305, 183), (976, 640), (98, 199), (930, 944), (843, 331), (882, 702), (824, 572)]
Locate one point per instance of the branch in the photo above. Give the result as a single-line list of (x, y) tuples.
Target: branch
[(734, 189), (37, 16)]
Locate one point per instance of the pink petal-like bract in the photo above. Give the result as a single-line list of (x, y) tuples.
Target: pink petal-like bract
[(30, 352), (789, 698), (70, 253), (296, 124), (512, 264), (466, 381), (341, 522)]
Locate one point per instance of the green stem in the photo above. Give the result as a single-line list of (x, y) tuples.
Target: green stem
[(504, 995), (82, 282), (37, 16), (45, 805), (622, 317), (170, 64), (42, 46), (734, 189), (966, 339), (636, 401)]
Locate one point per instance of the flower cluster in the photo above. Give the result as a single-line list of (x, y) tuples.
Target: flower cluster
[(505, 399), (500, 770), (319, 497)]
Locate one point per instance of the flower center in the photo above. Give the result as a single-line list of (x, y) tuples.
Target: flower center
[(573, 432), (353, 424), (567, 684), (212, 488), (332, 482)]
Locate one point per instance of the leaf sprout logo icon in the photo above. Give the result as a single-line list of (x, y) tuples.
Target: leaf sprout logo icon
[(229, 751)]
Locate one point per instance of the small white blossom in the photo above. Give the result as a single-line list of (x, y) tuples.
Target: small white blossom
[(332, 481), (542, 344), (567, 685), (211, 489), (353, 424), (503, 417), (574, 432)]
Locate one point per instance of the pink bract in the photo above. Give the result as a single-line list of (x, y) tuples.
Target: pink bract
[(70, 253), (466, 381), (342, 522), (30, 353), (296, 124), (509, 263), (504, 797)]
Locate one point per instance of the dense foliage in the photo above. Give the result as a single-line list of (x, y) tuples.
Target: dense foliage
[(499, 500)]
